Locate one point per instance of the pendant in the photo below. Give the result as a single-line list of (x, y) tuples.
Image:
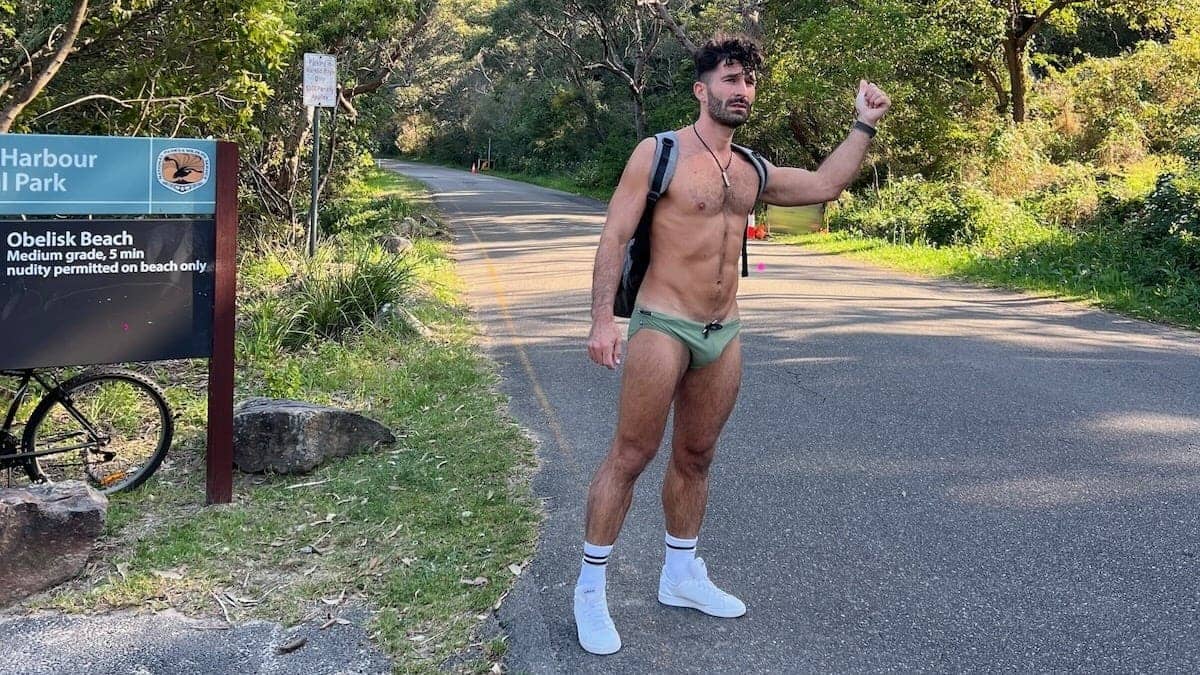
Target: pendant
[(725, 177)]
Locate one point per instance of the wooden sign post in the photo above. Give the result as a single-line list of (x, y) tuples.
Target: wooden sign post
[(131, 287)]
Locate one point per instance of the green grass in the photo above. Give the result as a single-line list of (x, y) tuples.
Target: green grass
[(1081, 267), (562, 183), (399, 529)]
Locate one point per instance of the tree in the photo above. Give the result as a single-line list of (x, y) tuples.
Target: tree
[(612, 36), (997, 36), (37, 63)]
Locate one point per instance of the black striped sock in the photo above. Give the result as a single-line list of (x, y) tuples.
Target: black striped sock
[(595, 564)]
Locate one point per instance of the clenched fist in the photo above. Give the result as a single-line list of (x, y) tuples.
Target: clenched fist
[(872, 104)]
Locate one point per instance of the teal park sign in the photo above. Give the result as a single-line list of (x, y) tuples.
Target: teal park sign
[(106, 175)]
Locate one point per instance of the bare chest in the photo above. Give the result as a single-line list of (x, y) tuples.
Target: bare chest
[(699, 189)]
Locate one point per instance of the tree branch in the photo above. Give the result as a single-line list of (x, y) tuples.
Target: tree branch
[(30, 91), (660, 8), (1043, 18), (125, 103)]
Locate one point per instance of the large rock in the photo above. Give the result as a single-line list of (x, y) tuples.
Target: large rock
[(394, 243), (296, 437), (46, 535)]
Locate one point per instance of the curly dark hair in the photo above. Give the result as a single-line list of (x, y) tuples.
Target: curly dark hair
[(724, 48)]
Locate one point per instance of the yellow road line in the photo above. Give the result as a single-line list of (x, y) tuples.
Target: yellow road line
[(526, 364)]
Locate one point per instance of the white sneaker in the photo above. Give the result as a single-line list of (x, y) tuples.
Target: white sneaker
[(597, 634), (697, 592)]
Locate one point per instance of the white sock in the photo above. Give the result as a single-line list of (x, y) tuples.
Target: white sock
[(593, 567), (680, 553)]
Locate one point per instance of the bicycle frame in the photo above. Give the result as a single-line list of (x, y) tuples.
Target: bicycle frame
[(51, 390)]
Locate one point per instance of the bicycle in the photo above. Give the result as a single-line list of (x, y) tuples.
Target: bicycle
[(109, 427)]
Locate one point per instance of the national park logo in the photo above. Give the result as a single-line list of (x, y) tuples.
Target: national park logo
[(182, 169)]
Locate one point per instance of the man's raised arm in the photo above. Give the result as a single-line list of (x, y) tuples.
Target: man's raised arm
[(787, 186), (624, 211)]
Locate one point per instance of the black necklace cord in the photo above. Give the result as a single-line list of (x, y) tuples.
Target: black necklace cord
[(725, 170)]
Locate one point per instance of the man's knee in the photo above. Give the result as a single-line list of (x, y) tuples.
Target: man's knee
[(693, 460), (631, 456)]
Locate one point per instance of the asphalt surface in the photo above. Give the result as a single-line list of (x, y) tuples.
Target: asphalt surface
[(169, 643), (920, 475)]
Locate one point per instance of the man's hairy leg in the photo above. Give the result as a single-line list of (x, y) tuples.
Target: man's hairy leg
[(703, 402), (654, 364)]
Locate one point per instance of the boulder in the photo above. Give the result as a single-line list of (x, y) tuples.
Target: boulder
[(46, 535), (394, 243), (296, 437), (407, 227)]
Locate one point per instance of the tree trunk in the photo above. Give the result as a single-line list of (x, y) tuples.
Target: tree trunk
[(639, 113), (1014, 62), (38, 82)]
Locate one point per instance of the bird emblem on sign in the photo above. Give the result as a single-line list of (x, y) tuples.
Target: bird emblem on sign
[(182, 169)]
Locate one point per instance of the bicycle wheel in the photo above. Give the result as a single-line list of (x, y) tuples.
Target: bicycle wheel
[(109, 427)]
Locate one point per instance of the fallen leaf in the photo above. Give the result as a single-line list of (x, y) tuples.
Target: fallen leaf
[(408, 561), (497, 669), (166, 574), (123, 570), (515, 569), (477, 581), (291, 645)]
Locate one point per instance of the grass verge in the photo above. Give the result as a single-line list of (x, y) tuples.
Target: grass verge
[(429, 533), (1074, 267)]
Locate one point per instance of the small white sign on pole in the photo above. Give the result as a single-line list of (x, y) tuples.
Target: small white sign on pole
[(320, 80)]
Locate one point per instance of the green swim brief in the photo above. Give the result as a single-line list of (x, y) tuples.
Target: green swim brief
[(705, 343)]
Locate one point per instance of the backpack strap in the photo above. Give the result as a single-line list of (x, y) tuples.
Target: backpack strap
[(760, 166), (666, 156)]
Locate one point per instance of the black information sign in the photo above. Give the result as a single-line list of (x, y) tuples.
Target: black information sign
[(79, 292)]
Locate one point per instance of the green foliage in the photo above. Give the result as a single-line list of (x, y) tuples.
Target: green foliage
[(1170, 219), (325, 296), (935, 213)]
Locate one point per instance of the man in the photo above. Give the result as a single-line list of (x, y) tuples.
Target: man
[(683, 337)]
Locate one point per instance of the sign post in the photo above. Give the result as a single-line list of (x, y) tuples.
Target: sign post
[(320, 91), (105, 289)]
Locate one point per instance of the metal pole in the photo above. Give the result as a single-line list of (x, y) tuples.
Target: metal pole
[(316, 170)]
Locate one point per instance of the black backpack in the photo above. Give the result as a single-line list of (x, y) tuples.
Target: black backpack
[(637, 251)]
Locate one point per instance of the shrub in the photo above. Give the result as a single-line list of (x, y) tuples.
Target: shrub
[(331, 296), (915, 210), (1170, 219), (1071, 200)]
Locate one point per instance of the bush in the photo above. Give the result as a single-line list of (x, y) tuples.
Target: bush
[(915, 210), (1170, 219), (331, 296), (353, 214)]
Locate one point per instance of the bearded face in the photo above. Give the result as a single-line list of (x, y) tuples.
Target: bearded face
[(733, 112), (727, 93)]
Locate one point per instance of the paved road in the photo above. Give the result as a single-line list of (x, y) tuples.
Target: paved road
[(169, 643), (920, 475)]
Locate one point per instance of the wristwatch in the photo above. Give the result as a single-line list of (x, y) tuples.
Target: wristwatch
[(865, 128)]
